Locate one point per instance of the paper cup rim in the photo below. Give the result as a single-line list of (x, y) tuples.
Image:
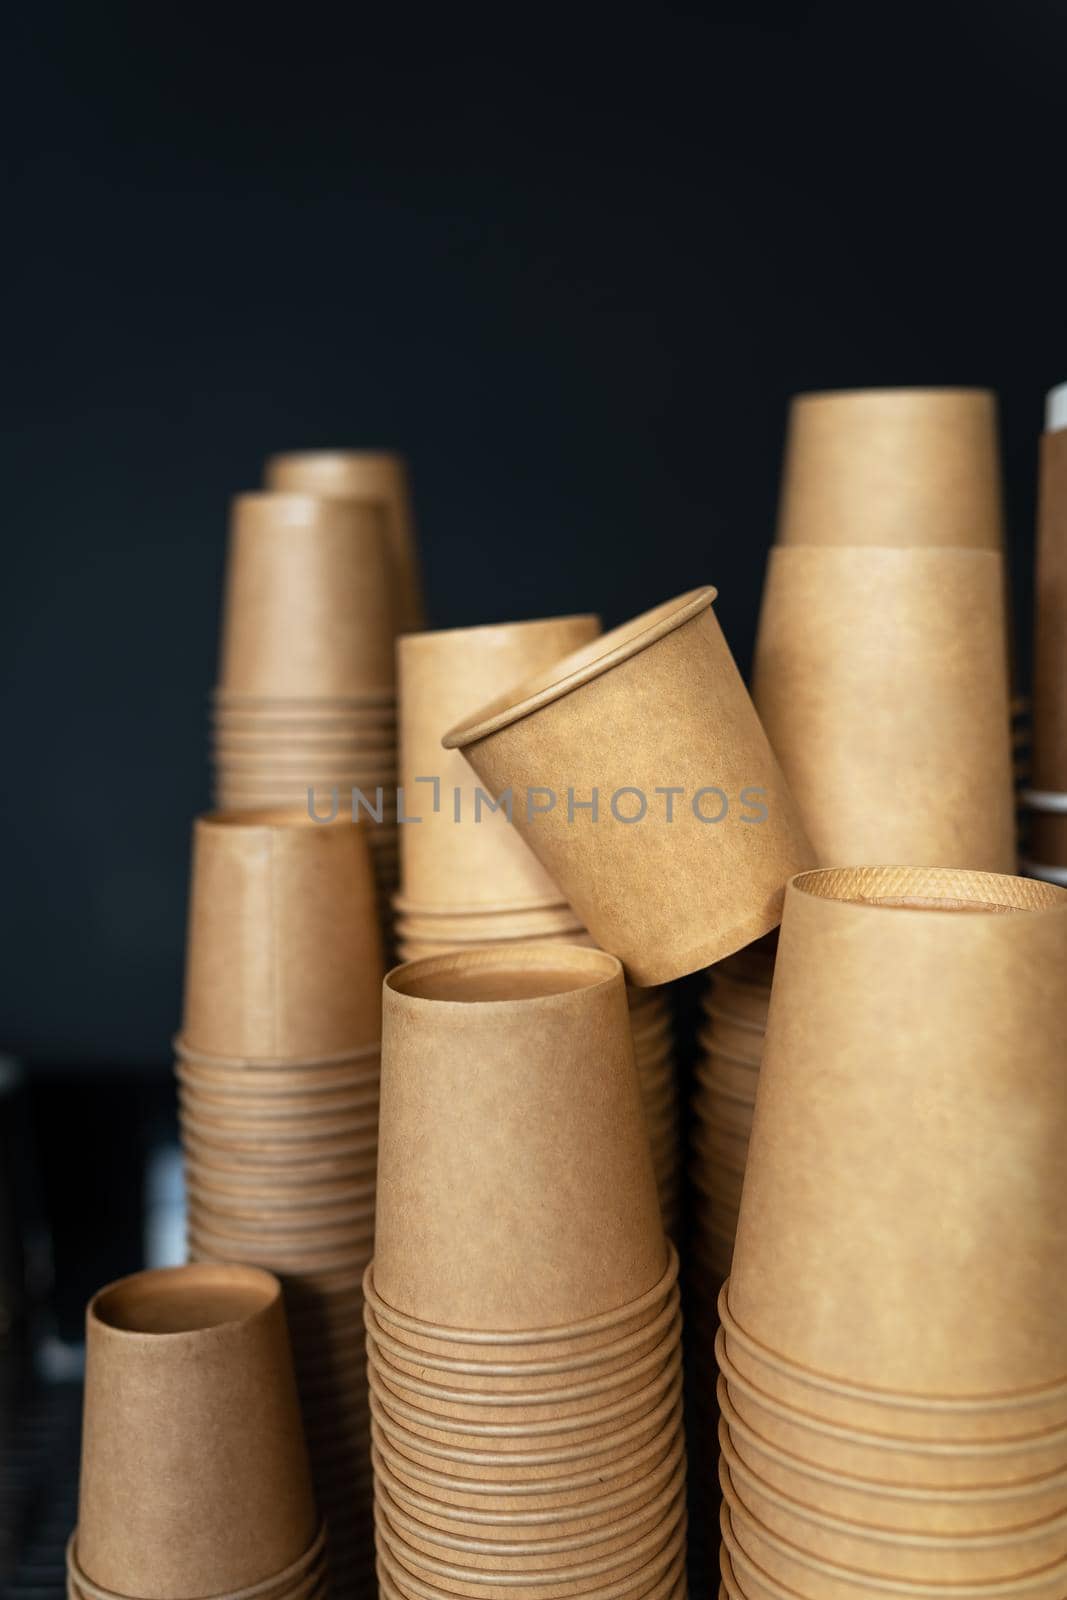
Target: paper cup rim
[(521, 1337), (252, 1276), (950, 1405), (279, 1582), (189, 1052), (902, 890), (616, 646), (603, 969), (414, 908)]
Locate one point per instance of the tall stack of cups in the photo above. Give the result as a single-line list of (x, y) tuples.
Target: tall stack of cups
[(523, 1329), (893, 1346), (1046, 797), (278, 1071), (881, 670), (194, 1477), (304, 713), (467, 876)]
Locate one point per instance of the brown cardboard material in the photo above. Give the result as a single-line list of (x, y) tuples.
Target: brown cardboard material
[(935, 1464), (471, 929), (1006, 1416), (879, 1552), (1048, 830), (440, 676), (671, 1587), (366, 477), (533, 1202), (308, 602), (887, 997), (900, 467), (305, 1579), (194, 1471), (582, 1341), (871, 666), (658, 702), (284, 958), (901, 1507)]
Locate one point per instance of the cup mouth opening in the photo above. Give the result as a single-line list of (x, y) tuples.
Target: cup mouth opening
[(579, 667), (288, 817), (426, 639), (504, 977), (905, 394), (945, 890), (177, 1301)]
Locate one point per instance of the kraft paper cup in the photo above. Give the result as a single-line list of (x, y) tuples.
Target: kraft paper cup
[(194, 1473), (657, 703), (304, 1579), (671, 1587), (849, 730), (283, 956), (934, 1464), (515, 1069), (904, 1508), (1029, 1411), (488, 929), (939, 1558), (1047, 845), (308, 607), (867, 1256), (447, 864), (896, 467), (366, 477)]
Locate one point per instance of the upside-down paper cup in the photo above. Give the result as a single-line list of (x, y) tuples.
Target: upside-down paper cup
[(284, 958), (655, 719), (913, 1071), (194, 1470), (464, 852), (308, 604), (533, 1201), (367, 477), (900, 467), (932, 731)]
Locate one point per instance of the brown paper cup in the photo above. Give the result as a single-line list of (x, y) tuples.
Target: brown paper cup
[(849, 729), (514, 1069), (879, 1552), (283, 956), (839, 1267), (441, 675), (194, 1472), (656, 703), (308, 607), (900, 467), (366, 477), (1048, 830)]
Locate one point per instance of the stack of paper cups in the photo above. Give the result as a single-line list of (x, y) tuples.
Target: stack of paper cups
[(278, 1068), (364, 477), (305, 709), (893, 1346), (467, 876), (523, 1329), (194, 1476), (881, 670), (1046, 797)]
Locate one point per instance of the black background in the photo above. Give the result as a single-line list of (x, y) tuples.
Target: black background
[(572, 263)]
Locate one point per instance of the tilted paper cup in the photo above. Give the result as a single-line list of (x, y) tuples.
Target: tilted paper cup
[(367, 477), (658, 704), (533, 1201), (308, 603), (881, 679), (440, 676), (903, 467), (283, 956), (194, 1471), (868, 1254)]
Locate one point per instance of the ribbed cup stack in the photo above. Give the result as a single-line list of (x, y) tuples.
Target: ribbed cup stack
[(194, 1475), (523, 1328), (304, 713), (467, 876), (893, 1347), (278, 1071)]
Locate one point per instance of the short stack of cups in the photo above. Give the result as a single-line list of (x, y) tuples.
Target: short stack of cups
[(304, 713), (882, 662), (893, 1348), (523, 1324), (1046, 792), (194, 1477), (467, 876), (278, 1069)]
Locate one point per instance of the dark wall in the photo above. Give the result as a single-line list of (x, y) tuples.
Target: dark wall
[(572, 263)]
